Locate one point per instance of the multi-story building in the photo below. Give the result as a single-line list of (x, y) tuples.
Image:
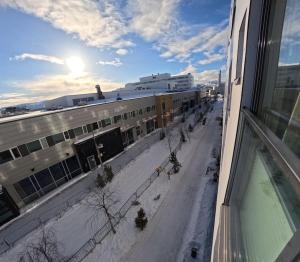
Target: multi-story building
[(163, 82), (258, 203), (40, 151)]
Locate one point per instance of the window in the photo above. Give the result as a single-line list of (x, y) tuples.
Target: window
[(55, 139), (125, 116), (73, 166), (5, 156), (264, 202), (16, 152), (117, 119), (78, 131), (34, 146), (66, 134), (58, 173), (140, 111), (240, 51), (132, 113), (95, 125), (279, 107), (23, 150), (45, 180), (148, 109), (138, 130), (106, 122), (153, 108), (84, 129), (163, 106), (24, 188), (71, 133), (89, 128)]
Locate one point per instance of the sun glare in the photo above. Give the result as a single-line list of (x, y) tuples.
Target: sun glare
[(75, 65)]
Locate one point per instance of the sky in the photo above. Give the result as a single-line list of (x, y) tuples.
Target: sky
[(54, 48)]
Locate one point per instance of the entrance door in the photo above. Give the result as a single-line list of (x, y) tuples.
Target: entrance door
[(92, 162)]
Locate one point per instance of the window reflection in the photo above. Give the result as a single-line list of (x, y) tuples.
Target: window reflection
[(280, 107)]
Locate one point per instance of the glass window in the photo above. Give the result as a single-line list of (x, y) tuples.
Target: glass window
[(71, 133), (16, 152), (34, 146), (57, 138), (125, 116), (23, 150), (140, 111), (240, 50), (117, 119), (72, 163), (66, 134), (50, 141), (280, 104), (106, 122), (58, 173), (24, 187), (85, 129), (264, 203), (78, 131), (45, 180), (89, 128), (95, 125), (5, 156)]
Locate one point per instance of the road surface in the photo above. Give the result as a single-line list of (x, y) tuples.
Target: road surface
[(162, 238)]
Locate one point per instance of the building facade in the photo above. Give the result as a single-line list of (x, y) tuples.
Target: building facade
[(41, 151), (258, 203), (163, 81)]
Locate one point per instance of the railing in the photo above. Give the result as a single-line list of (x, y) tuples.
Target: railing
[(106, 228)]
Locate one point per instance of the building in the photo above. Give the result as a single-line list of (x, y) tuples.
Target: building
[(163, 82), (40, 151), (258, 203)]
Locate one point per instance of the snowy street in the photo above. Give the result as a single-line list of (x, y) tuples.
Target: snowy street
[(162, 239)]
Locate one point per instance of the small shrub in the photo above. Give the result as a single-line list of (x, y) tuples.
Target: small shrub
[(141, 219), (100, 182), (108, 172)]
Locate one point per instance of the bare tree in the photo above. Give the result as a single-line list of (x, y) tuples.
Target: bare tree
[(43, 249), (170, 138), (102, 200)]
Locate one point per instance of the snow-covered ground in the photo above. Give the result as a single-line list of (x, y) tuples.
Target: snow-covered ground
[(73, 228)]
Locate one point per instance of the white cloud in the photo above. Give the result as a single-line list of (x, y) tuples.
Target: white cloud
[(98, 23), (39, 57), (203, 77), (50, 86), (211, 57), (152, 18), (122, 51), (116, 62)]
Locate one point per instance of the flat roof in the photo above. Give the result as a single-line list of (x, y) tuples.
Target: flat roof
[(33, 114)]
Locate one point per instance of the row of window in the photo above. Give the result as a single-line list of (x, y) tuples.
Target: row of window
[(34, 186), (26, 149)]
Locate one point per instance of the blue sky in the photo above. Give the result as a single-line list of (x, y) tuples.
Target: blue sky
[(110, 42)]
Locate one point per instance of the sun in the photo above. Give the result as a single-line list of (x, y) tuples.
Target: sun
[(75, 65)]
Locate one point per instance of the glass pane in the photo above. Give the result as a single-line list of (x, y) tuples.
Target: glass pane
[(280, 107), (24, 188), (5, 156), (23, 150), (72, 164), (45, 180), (264, 204), (78, 131), (16, 152), (34, 146), (58, 138)]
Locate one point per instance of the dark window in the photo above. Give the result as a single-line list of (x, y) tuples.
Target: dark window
[(140, 111), (163, 106), (78, 131), (84, 129), (16, 152), (90, 98), (117, 119), (95, 125), (106, 122), (73, 166), (34, 146), (57, 138), (50, 141), (138, 130), (89, 128), (71, 133), (45, 180), (148, 109), (133, 113), (58, 173), (5, 156), (23, 150), (125, 116), (66, 135), (240, 51), (99, 124), (24, 187)]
